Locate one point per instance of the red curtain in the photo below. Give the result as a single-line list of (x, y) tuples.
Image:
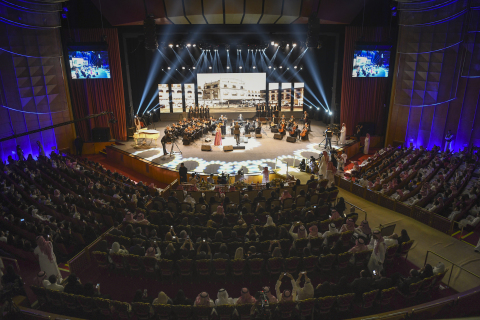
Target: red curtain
[(363, 99), (99, 95)]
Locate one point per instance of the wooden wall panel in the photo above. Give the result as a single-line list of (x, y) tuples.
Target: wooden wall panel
[(213, 11), (193, 11), (271, 11), (291, 11), (253, 9), (175, 11), (234, 11)]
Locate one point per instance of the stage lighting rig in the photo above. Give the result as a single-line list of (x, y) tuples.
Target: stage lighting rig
[(239, 47), (227, 47)]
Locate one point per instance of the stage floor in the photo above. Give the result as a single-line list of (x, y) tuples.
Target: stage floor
[(258, 153)]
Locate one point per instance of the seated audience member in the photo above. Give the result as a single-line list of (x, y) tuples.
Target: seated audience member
[(38, 280), (341, 287), (404, 283), (90, 291), (383, 282), (426, 271), (222, 254), (439, 268), (116, 231), (51, 284), (137, 249), (391, 240), (223, 298), (301, 233), (162, 299), (364, 230), (286, 295), (363, 284), (331, 230), (245, 297), (10, 277), (271, 298), (338, 248), (203, 299), (73, 285), (469, 221), (348, 226), (323, 290), (201, 253), (181, 299), (307, 291)]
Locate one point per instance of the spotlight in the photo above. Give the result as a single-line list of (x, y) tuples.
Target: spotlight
[(288, 45), (269, 67), (330, 113), (168, 68), (176, 46), (272, 43), (170, 45), (189, 45), (183, 68), (274, 68), (240, 67), (209, 67), (281, 67), (228, 67), (295, 67), (193, 68), (288, 68), (276, 44), (294, 45), (254, 67), (194, 45)]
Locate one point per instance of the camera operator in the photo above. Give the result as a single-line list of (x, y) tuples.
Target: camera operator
[(164, 140), (328, 137)]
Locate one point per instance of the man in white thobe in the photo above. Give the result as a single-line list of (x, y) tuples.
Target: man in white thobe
[(378, 254)]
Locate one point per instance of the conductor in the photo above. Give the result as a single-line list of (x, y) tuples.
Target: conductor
[(236, 132)]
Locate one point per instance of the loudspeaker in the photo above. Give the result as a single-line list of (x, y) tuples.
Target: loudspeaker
[(258, 135), (238, 147), (206, 147), (274, 130), (248, 136), (278, 136), (227, 148), (130, 131), (150, 33), (291, 139), (101, 134)]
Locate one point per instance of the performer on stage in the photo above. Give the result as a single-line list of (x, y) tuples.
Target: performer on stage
[(449, 141), (343, 134), (236, 132), (358, 131), (367, 144), (266, 175), (218, 136), (190, 112), (224, 126), (164, 142), (247, 127), (138, 124), (207, 111)]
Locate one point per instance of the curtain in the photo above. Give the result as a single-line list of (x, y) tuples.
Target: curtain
[(99, 95)]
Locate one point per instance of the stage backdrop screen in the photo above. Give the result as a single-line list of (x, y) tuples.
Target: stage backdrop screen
[(88, 61), (189, 95), (273, 94), (299, 88), (286, 95), (163, 98), (177, 98), (231, 92), (371, 61)]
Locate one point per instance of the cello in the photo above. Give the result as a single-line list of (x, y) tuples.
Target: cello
[(304, 131), (282, 128), (294, 128)]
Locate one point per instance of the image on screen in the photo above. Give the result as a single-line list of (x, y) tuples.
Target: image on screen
[(299, 88), (371, 63), (286, 95), (189, 94), (177, 98), (273, 94), (89, 64), (163, 98), (231, 92)]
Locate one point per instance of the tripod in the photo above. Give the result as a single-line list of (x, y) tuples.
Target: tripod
[(327, 147), (174, 144)]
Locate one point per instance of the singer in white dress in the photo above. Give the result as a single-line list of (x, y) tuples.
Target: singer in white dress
[(367, 144), (343, 134)]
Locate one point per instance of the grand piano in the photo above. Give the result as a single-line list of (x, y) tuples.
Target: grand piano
[(146, 134)]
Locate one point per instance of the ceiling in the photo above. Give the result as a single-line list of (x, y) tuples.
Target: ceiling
[(132, 12)]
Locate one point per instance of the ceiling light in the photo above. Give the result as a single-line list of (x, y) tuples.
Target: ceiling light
[(240, 67), (194, 45), (272, 43), (254, 67), (288, 45), (280, 67), (288, 68), (276, 44)]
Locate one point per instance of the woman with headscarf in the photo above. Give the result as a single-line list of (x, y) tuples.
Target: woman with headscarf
[(349, 226), (203, 299), (270, 222), (38, 280), (378, 255), (223, 298), (239, 253), (162, 299), (331, 230), (245, 297), (47, 259), (181, 299), (367, 144), (286, 295), (363, 230)]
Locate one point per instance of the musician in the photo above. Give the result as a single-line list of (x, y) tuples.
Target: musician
[(328, 137), (304, 134), (223, 124), (282, 127), (197, 112), (190, 112), (305, 117), (283, 118), (247, 127), (207, 110), (449, 141), (202, 112), (236, 132), (138, 123), (292, 119), (358, 131), (164, 140), (273, 124)]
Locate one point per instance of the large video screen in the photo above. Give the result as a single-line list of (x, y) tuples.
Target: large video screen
[(299, 91), (88, 61), (163, 98), (231, 92), (371, 61), (189, 94), (273, 95), (177, 98)]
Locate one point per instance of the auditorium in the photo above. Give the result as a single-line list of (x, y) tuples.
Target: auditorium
[(240, 159)]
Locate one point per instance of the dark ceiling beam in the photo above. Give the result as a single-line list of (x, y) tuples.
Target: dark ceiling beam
[(281, 12), (166, 13), (244, 6), (184, 12), (299, 13), (263, 10), (203, 14)]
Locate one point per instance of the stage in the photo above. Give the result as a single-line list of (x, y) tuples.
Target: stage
[(258, 152)]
